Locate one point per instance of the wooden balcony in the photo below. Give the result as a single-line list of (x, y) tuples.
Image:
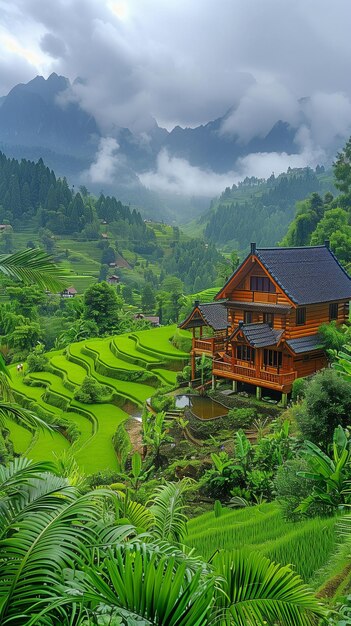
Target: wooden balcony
[(209, 346), (281, 381)]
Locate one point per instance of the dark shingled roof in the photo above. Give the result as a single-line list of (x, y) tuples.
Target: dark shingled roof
[(259, 335), (307, 275), (305, 344), (214, 314)]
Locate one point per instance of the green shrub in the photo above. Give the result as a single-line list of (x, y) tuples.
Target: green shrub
[(91, 391), (290, 488), (184, 375), (327, 404), (161, 402), (298, 389), (106, 477), (37, 361), (122, 445), (241, 418)]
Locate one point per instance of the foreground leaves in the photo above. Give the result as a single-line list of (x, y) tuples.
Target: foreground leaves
[(33, 267), (77, 560)]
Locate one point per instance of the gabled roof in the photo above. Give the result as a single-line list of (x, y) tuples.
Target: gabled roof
[(71, 290), (307, 275), (213, 314), (259, 335), (305, 344)]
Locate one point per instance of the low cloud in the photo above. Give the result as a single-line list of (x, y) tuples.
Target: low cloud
[(106, 164), (259, 109), (177, 176)]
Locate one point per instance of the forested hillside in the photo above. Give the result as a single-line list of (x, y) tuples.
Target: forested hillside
[(31, 191), (319, 218), (261, 210)]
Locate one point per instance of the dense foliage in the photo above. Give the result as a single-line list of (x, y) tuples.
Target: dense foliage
[(76, 557), (260, 210), (318, 219), (31, 190)]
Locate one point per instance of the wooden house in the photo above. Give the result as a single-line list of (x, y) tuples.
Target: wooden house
[(262, 328), (69, 292), (113, 280)]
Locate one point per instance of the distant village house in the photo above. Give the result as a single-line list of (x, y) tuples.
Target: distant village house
[(153, 319), (70, 292)]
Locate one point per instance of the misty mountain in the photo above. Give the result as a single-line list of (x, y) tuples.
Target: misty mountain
[(39, 119)]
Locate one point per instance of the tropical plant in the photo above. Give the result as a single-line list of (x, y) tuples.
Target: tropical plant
[(74, 559), (32, 266), (343, 363), (330, 476), (155, 434)]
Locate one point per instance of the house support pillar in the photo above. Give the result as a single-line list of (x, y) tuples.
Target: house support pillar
[(213, 382), (258, 393), (284, 400), (193, 367), (235, 385)]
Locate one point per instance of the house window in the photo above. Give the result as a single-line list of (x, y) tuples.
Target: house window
[(301, 316), (245, 353), (247, 317), (268, 318), (272, 358), (261, 283), (333, 311)]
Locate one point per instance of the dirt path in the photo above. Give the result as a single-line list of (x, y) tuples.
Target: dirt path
[(133, 428)]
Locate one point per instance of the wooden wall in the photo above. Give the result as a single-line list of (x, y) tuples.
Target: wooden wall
[(309, 364), (316, 314)]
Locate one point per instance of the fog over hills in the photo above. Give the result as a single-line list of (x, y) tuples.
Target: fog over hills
[(42, 118)]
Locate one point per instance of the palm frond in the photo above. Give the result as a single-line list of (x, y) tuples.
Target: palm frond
[(46, 493), (255, 591), (143, 586), (33, 267), (11, 410), (168, 510), (21, 471), (39, 548)]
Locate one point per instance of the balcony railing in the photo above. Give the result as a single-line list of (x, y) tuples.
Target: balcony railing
[(251, 374), (210, 345)]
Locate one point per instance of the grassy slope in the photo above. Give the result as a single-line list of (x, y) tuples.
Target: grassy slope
[(83, 258), (54, 391), (308, 544)]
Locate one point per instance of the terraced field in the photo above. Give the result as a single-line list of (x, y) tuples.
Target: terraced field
[(132, 366), (308, 544)]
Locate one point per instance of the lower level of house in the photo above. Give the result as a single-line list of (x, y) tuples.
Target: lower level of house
[(264, 368), (255, 354)]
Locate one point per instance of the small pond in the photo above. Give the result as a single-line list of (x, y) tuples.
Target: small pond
[(201, 406)]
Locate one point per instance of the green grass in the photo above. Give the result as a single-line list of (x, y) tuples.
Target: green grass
[(103, 350), (53, 393), (21, 436), (145, 340), (308, 544)]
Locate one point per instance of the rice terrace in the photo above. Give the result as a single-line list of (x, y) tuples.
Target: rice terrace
[(117, 362)]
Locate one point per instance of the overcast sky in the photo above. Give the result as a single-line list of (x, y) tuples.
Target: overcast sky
[(188, 61)]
